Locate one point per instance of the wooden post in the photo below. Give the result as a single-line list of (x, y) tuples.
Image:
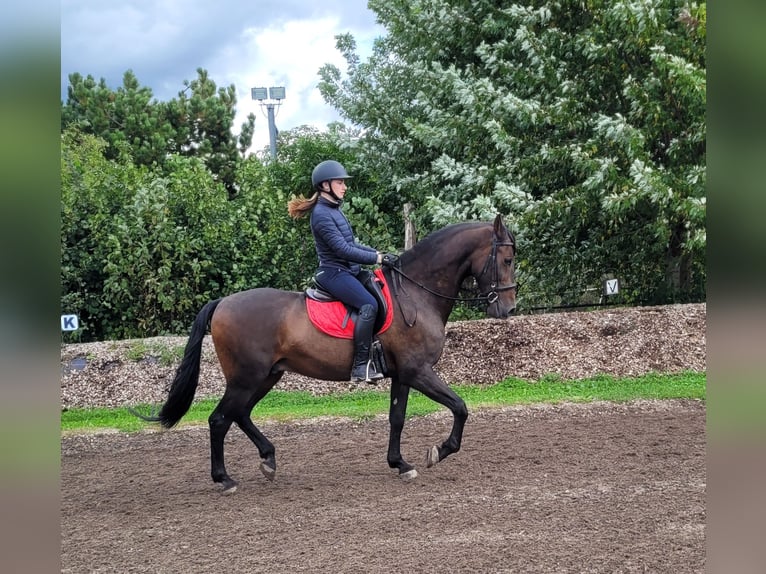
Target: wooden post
[(409, 227)]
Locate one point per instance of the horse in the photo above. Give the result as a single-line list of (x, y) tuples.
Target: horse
[(260, 334)]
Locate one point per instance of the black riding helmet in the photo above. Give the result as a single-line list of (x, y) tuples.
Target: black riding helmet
[(327, 170)]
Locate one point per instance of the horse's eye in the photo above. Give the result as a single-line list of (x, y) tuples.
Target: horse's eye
[(509, 261)]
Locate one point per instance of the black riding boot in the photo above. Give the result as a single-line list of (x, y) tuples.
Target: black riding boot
[(363, 367)]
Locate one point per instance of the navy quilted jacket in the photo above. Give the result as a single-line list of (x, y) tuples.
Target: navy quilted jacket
[(334, 239)]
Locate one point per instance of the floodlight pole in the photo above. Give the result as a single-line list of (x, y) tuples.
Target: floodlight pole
[(274, 99), (272, 130)]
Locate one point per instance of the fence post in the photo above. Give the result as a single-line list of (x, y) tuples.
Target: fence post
[(409, 227)]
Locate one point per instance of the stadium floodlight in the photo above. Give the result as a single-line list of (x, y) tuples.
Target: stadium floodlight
[(270, 98), (258, 93)]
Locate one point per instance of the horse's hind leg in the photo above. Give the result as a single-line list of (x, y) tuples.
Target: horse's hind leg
[(219, 423), (235, 406), (265, 447)]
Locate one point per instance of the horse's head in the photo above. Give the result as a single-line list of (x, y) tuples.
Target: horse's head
[(497, 278)]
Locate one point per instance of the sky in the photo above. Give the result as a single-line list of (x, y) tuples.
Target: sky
[(260, 43)]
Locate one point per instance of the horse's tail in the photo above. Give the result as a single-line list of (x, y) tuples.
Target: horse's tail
[(184, 384)]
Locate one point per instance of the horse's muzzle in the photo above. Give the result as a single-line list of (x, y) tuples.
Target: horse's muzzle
[(498, 311)]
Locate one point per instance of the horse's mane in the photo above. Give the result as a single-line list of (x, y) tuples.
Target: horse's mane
[(431, 243)]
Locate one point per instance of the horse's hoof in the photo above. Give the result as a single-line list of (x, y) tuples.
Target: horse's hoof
[(432, 456), (228, 486), (409, 475), (268, 471)]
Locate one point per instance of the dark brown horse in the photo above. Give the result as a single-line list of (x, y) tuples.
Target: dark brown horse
[(260, 334)]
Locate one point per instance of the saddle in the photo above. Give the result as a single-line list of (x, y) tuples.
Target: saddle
[(337, 319)]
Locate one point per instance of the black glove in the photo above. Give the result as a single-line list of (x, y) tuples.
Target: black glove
[(389, 259)]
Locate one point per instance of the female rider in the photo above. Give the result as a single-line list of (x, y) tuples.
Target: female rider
[(341, 258)]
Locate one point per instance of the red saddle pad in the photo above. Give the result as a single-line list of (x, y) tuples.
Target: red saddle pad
[(329, 317)]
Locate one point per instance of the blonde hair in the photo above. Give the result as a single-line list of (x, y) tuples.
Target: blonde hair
[(299, 206)]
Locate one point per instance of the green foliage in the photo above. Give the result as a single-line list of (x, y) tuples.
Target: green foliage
[(196, 124), (265, 244), (144, 249), (93, 191), (583, 123), (141, 251), (466, 312)]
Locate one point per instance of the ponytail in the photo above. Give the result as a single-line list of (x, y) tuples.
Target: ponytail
[(299, 206)]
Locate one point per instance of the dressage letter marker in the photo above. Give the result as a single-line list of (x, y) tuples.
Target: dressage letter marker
[(611, 286), (69, 323)]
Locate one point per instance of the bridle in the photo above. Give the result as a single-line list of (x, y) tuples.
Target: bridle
[(490, 296)]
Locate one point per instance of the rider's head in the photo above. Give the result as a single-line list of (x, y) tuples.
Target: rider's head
[(330, 177)]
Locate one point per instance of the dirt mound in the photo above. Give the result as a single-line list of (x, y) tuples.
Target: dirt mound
[(574, 345)]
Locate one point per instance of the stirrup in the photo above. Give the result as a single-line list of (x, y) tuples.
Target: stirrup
[(371, 374)]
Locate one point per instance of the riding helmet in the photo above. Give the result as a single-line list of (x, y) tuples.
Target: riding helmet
[(327, 170)]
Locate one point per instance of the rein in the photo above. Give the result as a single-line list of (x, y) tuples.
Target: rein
[(490, 297)]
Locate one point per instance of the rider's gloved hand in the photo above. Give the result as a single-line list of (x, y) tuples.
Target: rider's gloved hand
[(389, 259)]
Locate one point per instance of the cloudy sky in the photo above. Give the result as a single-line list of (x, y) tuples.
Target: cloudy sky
[(248, 44)]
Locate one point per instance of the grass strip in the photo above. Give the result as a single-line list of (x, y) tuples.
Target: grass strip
[(361, 404)]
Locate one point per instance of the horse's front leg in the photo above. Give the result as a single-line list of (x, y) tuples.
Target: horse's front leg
[(399, 395), (428, 382)]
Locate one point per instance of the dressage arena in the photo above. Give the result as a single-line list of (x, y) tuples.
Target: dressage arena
[(563, 488)]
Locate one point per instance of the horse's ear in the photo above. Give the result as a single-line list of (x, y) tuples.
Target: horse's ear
[(500, 230)]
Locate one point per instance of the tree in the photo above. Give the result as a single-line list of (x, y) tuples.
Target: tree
[(142, 250), (202, 122), (127, 115), (582, 121), (94, 192), (196, 124)]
